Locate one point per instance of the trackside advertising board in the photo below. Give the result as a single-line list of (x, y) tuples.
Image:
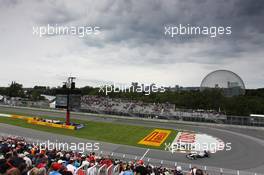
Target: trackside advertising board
[(54, 125)]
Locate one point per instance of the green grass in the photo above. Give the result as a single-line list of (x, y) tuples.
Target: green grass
[(98, 131)]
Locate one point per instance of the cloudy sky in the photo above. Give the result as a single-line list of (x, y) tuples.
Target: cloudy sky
[(131, 45)]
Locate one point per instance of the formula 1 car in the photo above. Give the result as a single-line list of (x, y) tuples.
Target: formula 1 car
[(195, 155)]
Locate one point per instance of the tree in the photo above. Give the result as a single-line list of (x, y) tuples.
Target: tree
[(15, 90)]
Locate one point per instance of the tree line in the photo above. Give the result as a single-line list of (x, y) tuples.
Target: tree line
[(251, 102)]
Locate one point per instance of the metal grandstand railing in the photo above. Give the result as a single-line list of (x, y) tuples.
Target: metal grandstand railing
[(97, 170)]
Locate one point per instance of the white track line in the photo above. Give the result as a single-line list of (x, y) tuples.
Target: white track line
[(144, 154)]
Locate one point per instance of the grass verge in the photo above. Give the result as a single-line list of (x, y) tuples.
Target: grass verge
[(98, 131)]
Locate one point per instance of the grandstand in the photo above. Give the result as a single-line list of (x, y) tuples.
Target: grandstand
[(148, 110)]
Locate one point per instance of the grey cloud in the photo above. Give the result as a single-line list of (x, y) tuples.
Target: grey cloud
[(8, 3), (142, 23), (55, 12)]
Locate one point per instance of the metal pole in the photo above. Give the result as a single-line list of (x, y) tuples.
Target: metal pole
[(68, 108), (69, 87)]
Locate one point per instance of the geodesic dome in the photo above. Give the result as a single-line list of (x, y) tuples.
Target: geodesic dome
[(228, 81)]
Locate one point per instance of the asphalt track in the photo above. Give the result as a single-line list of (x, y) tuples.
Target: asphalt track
[(247, 153)]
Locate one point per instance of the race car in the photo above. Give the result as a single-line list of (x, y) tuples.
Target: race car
[(195, 155)]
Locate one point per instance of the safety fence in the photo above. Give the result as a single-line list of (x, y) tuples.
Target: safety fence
[(210, 170), (97, 170)]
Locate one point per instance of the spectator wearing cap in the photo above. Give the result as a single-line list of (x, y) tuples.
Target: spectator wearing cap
[(62, 162), (70, 167), (178, 171), (27, 159), (84, 160), (55, 168), (141, 169), (42, 163), (92, 158)]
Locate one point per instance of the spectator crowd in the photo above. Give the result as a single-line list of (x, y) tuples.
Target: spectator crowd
[(120, 106), (17, 157)]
